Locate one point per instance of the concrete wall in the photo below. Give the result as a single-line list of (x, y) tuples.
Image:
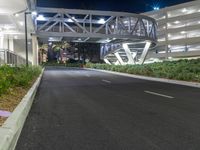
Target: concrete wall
[(19, 48)]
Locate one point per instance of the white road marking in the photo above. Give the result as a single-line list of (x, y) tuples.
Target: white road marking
[(106, 81), (158, 94), (87, 75)]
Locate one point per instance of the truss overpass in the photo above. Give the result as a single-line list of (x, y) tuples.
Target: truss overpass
[(135, 34)]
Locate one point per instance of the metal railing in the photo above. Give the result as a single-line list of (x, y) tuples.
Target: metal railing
[(11, 58)]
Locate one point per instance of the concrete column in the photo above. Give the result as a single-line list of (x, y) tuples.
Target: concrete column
[(1, 42), (107, 61), (4, 42), (119, 58), (35, 49), (145, 52), (11, 44), (128, 54)]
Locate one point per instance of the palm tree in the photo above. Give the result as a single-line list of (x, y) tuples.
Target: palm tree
[(59, 47)]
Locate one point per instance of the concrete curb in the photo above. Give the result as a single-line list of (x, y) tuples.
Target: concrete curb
[(11, 129), (185, 83)]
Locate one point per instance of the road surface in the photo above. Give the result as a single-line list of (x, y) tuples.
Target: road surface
[(78, 109)]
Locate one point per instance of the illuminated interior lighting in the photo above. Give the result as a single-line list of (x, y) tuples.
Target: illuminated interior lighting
[(15, 37), (183, 32), (16, 15), (34, 13), (21, 23), (102, 20), (41, 18), (177, 22), (184, 10)]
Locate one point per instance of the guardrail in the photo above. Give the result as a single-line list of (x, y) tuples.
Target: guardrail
[(11, 58)]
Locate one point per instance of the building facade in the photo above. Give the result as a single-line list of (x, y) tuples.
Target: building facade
[(178, 31)]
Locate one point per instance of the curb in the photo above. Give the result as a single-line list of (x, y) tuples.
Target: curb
[(12, 127), (185, 83)]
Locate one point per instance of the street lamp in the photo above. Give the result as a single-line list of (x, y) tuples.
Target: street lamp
[(26, 33)]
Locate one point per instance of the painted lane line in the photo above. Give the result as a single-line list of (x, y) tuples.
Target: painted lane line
[(158, 94), (106, 81), (87, 75)]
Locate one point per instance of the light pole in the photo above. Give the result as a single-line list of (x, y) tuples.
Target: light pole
[(26, 37)]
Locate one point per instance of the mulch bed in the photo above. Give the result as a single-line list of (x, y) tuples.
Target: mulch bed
[(10, 100)]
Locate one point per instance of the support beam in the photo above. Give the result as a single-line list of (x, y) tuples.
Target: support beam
[(35, 49), (145, 52), (107, 61), (128, 54), (119, 58)]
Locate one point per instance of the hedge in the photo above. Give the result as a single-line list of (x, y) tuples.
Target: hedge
[(187, 70), (17, 77)]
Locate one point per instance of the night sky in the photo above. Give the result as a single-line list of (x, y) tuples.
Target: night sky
[(135, 6)]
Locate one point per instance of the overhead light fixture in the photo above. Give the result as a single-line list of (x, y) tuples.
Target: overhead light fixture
[(169, 35), (34, 13), (177, 22), (50, 39), (41, 18), (156, 8), (102, 20), (6, 27), (168, 25), (16, 15), (15, 37), (183, 32), (21, 23), (184, 10)]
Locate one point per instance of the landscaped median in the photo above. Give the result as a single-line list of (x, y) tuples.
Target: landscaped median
[(185, 70), (18, 86)]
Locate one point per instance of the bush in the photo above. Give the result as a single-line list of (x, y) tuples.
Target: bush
[(188, 70), (17, 77)]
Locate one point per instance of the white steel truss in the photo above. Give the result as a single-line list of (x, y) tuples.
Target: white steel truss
[(94, 26)]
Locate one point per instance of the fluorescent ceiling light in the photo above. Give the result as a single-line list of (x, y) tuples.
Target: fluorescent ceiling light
[(102, 20), (16, 15), (21, 23), (184, 10), (177, 22), (183, 32), (15, 37), (34, 13), (41, 18)]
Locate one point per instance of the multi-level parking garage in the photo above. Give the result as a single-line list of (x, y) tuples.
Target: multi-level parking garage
[(178, 31)]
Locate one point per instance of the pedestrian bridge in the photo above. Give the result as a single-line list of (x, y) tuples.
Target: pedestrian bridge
[(125, 37)]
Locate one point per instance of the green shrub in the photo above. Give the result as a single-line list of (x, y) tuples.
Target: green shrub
[(188, 70), (17, 76)]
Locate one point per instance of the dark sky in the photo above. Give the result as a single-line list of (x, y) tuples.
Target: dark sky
[(135, 6)]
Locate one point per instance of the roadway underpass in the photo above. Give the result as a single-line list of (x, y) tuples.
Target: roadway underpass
[(77, 109)]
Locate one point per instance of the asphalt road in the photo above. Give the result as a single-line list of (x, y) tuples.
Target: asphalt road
[(78, 109)]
